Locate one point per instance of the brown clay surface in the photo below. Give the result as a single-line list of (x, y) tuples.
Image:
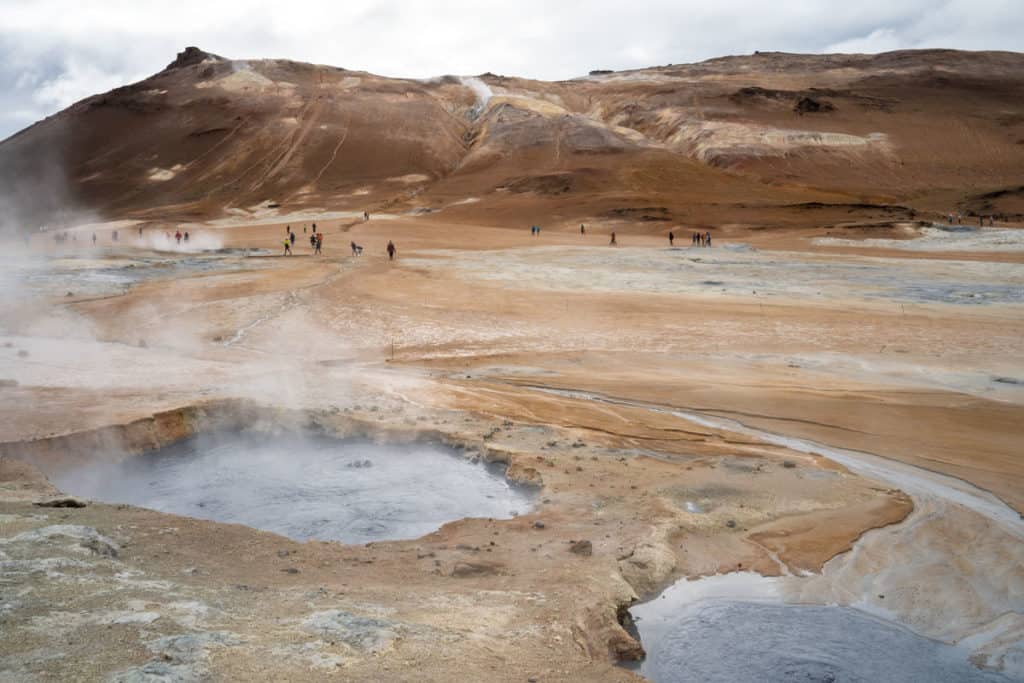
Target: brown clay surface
[(587, 369)]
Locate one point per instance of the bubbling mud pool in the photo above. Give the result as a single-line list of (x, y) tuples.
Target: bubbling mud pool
[(696, 631), (306, 487)]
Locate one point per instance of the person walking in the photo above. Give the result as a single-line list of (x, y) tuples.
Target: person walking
[(613, 243), (391, 250), (707, 239), (671, 238), (287, 247)]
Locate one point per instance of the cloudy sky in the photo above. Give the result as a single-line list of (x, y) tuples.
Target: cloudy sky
[(54, 52)]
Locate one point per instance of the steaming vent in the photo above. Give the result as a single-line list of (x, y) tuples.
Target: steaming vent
[(483, 94)]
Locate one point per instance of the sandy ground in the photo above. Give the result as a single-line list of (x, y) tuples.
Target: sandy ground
[(673, 405)]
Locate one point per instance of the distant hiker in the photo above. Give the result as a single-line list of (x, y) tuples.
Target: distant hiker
[(287, 229), (366, 215), (319, 243), (356, 249), (186, 237), (391, 250), (314, 227), (94, 238), (613, 243), (140, 231), (177, 236), (707, 239), (287, 247), (291, 238), (113, 235), (312, 241), (671, 238), (303, 228), (583, 229)]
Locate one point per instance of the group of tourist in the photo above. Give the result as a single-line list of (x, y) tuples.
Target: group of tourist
[(316, 242), (958, 218), (697, 239)]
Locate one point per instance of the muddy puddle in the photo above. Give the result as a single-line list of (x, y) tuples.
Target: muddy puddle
[(735, 628), (307, 487), (106, 274)]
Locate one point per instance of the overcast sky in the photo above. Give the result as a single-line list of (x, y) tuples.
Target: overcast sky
[(55, 52)]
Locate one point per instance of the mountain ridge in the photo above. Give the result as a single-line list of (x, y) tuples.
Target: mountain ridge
[(933, 129)]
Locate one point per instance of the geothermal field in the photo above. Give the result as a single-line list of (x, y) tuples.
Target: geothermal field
[(539, 441)]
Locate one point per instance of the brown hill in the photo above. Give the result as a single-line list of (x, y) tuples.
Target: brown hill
[(752, 139)]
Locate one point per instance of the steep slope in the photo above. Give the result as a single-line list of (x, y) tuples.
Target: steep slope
[(747, 139)]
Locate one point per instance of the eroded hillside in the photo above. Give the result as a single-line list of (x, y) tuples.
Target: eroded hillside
[(736, 139)]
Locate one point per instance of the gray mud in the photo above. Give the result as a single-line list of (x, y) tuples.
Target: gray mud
[(737, 642), (306, 487)]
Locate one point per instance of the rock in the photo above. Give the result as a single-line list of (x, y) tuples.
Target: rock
[(100, 547), (83, 534), (521, 474), (361, 633), (468, 569), (61, 503), (190, 56), (283, 553), (538, 524), (8, 383), (647, 566), (731, 524), (788, 464), (808, 105), (290, 570), (585, 548)]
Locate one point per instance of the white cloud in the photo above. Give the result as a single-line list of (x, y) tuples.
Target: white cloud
[(75, 81), (879, 40), (55, 51)]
